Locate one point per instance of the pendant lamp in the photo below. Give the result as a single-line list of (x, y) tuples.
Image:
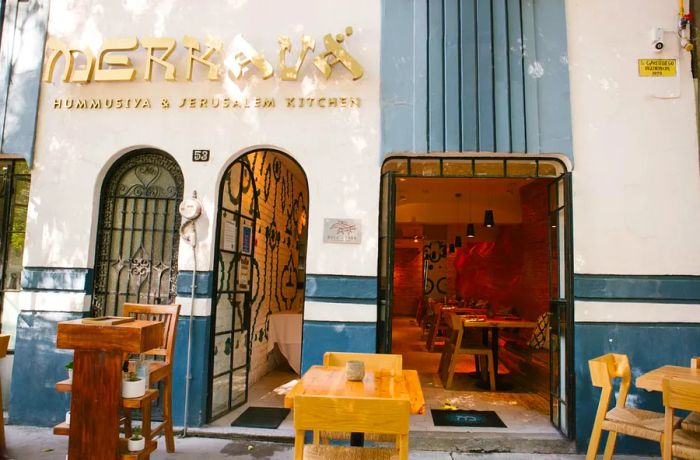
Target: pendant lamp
[(470, 226), (452, 248), (470, 231), (488, 218), (458, 241)]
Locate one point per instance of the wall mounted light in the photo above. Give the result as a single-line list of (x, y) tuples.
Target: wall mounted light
[(488, 218)]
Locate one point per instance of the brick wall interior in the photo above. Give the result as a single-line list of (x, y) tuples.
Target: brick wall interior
[(408, 280)]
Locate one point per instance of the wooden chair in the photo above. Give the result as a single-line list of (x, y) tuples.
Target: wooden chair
[(366, 415), (159, 369), (630, 421), (371, 360), (4, 342), (692, 421), (459, 345), (681, 443)]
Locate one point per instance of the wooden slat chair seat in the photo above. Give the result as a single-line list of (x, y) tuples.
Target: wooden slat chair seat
[(373, 361), (160, 368), (680, 394), (621, 419), (346, 414), (459, 345)]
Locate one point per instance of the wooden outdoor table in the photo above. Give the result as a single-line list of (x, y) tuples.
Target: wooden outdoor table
[(96, 388), (331, 381), (495, 324), (653, 380)]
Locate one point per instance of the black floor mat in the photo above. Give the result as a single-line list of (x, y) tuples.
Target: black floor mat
[(261, 417), (477, 418)]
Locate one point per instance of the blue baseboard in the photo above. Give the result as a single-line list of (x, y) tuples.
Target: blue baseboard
[(648, 346), (323, 336), (199, 386), (38, 365)]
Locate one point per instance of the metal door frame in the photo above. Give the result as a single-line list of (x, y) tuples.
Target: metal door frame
[(247, 294), (473, 167)]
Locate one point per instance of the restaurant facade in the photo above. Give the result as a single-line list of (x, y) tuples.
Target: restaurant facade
[(292, 126)]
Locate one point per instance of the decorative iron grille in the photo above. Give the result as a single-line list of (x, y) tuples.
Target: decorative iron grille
[(137, 242)]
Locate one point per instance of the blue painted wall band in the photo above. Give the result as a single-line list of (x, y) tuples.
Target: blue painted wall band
[(204, 286), (57, 279), (323, 336), (638, 288), (341, 288)]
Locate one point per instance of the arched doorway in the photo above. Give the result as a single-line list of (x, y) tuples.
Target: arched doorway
[(259, 270), (137, 238)]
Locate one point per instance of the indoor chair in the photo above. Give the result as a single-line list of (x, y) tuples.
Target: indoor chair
[(692, 421), (630, 421), (160, 368), (682, 443), (347, 414), (458, 345), (371, 360)]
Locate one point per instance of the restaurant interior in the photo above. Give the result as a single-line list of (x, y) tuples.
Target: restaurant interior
[(478, 248)]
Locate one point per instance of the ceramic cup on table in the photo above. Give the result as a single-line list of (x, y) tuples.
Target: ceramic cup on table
[(355, 370)]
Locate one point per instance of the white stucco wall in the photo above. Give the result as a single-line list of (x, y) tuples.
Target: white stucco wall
[(636, 182), (338, 148)]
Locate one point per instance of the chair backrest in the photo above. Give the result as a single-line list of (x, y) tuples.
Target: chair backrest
[(167, 314), (455, 322), (682, 394), (608, 367), (372, 360)]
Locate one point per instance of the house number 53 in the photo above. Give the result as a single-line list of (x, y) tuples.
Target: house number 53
[(200, 155)]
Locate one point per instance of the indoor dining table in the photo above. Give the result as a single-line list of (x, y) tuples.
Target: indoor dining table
[(495, 324), (378, 383)]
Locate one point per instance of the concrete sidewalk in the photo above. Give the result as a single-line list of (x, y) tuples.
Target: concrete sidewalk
[(30, 443)]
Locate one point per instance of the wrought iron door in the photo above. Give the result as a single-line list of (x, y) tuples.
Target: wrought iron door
[(230, 349), (137, 241)]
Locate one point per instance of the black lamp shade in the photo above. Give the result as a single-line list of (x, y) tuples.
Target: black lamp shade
[(488, 218), (452, 248), (470, 231), (458, 241)]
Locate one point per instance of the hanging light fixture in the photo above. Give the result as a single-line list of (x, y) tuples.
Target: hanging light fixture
[(488, 218), (458, 241), (452, 248), (470, 226), (470, 231)]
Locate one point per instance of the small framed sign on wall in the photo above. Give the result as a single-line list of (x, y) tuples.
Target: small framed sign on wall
[(343, 231)]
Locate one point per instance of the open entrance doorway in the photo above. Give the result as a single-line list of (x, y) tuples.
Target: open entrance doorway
[(480, 246), (259, 280)]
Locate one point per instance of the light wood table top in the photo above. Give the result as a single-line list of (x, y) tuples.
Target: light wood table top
[(495, 322), (653, 380), (382, 383)]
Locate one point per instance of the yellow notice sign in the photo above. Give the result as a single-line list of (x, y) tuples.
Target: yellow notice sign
[(657, 67)]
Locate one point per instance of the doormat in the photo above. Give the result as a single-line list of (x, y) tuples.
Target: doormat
[(262, 417), (479, 418)]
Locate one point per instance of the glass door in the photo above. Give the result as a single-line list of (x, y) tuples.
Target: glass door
[(385, 280), (230, 349), (561, 306)]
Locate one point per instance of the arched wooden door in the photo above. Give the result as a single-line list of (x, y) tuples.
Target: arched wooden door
[(137, 240)]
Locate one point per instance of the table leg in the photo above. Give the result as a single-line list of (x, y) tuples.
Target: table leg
[(357, 439), (494, 350)]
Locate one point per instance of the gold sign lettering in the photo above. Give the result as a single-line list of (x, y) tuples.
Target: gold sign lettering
[(152, 44), (199, 103), (291, 73), (193, 45), (104, 58), (243, 56), (243, 59), (339, 55)]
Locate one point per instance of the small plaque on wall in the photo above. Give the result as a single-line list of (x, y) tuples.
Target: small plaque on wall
[(345, 231)]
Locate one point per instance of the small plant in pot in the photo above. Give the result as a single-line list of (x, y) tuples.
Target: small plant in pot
[(69, 368), (133, 386), (136, 442)]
